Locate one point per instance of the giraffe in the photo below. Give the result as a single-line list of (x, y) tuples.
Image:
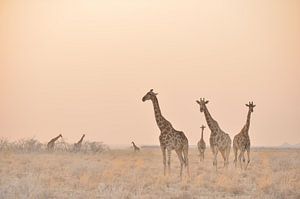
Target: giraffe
[(219, 140), (242, 141), (51, 143), (201, 145), (170, 139), (77, 145), (135, 148)]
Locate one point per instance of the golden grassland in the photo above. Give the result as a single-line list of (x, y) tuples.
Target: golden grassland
[(272, 173)]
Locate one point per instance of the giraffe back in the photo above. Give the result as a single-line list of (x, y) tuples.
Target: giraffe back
[(173, 139)]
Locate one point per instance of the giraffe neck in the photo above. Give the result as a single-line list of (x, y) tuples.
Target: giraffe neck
[(212, 124), (202, 134), (134, 145), (158, 116), (80, 139), (247, 125), (56, 138)]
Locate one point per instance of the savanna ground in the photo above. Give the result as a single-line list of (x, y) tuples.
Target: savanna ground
[(272, 173)]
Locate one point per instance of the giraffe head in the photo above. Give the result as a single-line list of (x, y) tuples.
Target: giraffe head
[(251, 106), (202, 103), (149, 96)]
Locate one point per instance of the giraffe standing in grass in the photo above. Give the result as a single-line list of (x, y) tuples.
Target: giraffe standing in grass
[(201, 145), (51, 143), (135, 148), (219, 140), (170, 139), (77, 145), (242, 141)]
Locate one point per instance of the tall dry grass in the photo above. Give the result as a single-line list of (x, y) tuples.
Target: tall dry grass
[(125, 174)]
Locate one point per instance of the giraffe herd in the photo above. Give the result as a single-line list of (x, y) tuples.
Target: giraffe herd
[(171, 139), (76, 148)]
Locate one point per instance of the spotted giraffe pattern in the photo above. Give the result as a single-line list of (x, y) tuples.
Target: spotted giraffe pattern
[(201, 145), (219, 140), (241, 141), (170, 139)]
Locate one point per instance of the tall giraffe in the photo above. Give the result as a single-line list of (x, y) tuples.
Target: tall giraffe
[(170, 139), (51, 143), (201, 144), (219, 140), (135, 148), (242, 141), (77, 145)]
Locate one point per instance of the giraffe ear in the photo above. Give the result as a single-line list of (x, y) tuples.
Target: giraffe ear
[(247, 105), (254, 105), (198, 101), (151, 90), (206, 101)]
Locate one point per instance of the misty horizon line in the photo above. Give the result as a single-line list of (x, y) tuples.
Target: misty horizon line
[(122, 145)]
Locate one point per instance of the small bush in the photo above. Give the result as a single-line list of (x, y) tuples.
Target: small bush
[(94, 147)]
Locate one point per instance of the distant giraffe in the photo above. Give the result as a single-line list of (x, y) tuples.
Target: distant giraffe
[(219, 140), (201, 145), (135, 148), (170, 139), (51, 143), (77, 145), (242, 141)]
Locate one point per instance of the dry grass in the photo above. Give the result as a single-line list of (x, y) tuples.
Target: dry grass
[(124, 174)]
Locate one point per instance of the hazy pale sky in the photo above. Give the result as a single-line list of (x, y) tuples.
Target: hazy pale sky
[(83, 66)]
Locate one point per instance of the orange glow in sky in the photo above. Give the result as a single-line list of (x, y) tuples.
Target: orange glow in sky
[(75, 67)]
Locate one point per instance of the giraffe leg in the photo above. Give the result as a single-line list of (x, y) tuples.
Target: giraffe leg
[(227, 155), (240, 157), (163, 149), (179, 154), (235, 150), (248, 155), (224, 156), (169, 161), (215, 159), (186, 159), (200, 156)]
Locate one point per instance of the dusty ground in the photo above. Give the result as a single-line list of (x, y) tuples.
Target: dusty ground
[(124, 174)]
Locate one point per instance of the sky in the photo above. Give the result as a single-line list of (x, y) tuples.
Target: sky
[(83, 66)]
